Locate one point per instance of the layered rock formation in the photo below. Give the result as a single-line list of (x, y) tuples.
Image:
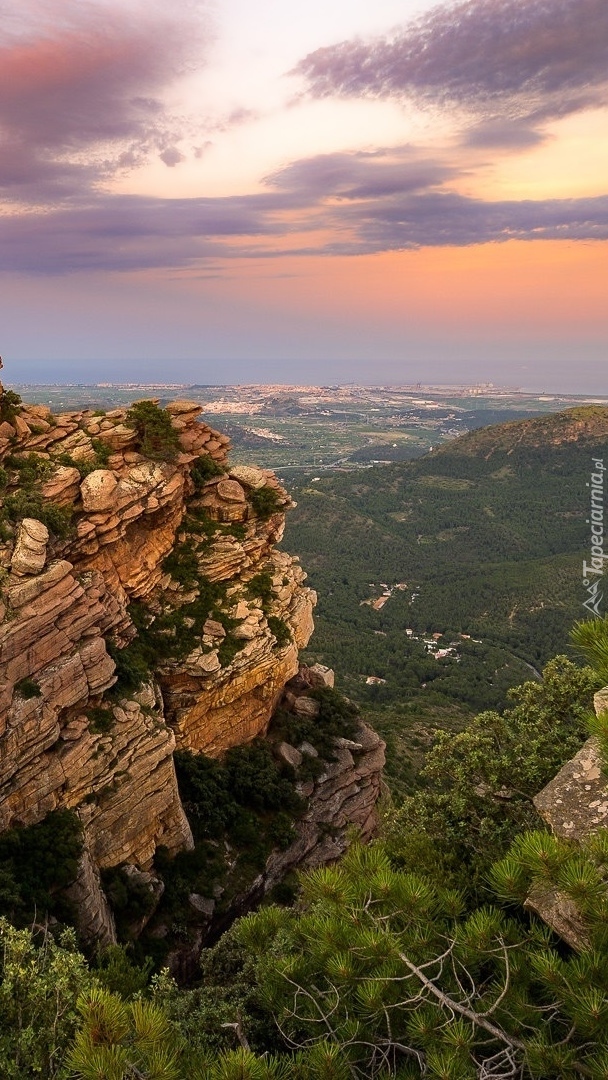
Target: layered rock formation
[(143, 606), (63, 743)]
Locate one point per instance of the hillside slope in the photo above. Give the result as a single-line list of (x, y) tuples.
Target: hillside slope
[(487, 536)]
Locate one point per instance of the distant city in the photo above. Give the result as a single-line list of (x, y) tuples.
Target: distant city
[(321, 427)]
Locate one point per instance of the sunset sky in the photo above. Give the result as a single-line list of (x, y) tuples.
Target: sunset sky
[(344, 191)]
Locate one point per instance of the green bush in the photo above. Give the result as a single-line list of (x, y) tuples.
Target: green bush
[(35, 862), (9, 403), (157, 438), (132, 667), (266, 501), (338, 718), (182, 564), (30, 504), (260, 588), (280, 629), (28, 688), (204, 469), (228, 649), (101, 719), (131, 899)]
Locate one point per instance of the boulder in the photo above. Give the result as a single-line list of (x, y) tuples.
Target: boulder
[(29, 555), (63, 485), (288, 753), (318, 675), (307, 707), (184, 408), (248, 475), (230, 491), (97, 490)]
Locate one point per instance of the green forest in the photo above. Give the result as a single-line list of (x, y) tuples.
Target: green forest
[(487, 533)]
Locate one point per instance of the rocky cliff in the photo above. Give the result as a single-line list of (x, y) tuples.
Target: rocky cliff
[(143, 606)]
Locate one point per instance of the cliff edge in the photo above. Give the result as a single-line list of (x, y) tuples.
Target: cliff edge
[(143, 606)]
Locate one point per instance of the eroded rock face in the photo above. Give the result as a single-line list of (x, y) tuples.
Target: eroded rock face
[(195, 564), (63, 742)]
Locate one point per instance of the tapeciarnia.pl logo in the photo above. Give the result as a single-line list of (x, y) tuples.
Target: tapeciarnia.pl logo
[(594, 569)]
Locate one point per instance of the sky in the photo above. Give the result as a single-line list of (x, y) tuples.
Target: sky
[(354, 191)]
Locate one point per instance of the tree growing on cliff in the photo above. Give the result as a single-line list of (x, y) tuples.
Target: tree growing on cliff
[(157, 437)]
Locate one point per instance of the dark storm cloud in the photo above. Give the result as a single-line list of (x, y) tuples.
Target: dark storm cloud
[(83, 99), (533, 58)]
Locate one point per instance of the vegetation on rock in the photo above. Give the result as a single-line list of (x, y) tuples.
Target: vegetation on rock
[(157, 438)]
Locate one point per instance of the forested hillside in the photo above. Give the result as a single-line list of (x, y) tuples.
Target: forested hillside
[(488, 534)]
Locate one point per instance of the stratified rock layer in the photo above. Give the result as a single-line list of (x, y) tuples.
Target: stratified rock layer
[(63, 742)]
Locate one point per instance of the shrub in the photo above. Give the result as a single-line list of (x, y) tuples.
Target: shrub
[(130, 897), (37, 861), (280, 630), (101, 719), (228, 649), (28, 688), (9, 403), (203, 469), (157, 437), (27, 503), (266, 501), (260, 587), (132, 667), (102, 452), (182, 564), (338, 718)]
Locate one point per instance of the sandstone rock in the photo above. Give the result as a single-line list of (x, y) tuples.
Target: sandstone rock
[(214, 629), (288, 753), (27, 591), (98, 490), (29, 555), (318, 675), (248, 475), (22, 429), (306, 707), (230, 491), (117, 436), (560, 913), (181, 408), (308, 749), (203, 663), (94, 919), (575, 803), (63, 486)]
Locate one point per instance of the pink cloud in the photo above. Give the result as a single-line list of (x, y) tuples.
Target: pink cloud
[(84, 99)]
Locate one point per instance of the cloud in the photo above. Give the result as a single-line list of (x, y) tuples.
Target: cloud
[(440, 219), (331, 204), (361, 174), (494, 58), (83, 96)]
